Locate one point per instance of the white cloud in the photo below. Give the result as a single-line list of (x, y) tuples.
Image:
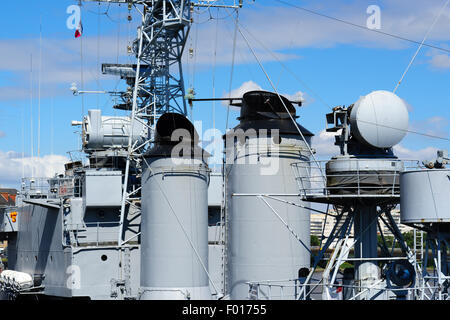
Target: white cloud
[(440, 61), (239, 92), (18, 54), (438, 120), (281, 28), (252, 86), (428, 153), (298, 96), (435, 126), (323, 143), (61, 63), (13, 167)]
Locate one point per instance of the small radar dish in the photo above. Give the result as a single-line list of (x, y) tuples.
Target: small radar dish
[(379, 119)]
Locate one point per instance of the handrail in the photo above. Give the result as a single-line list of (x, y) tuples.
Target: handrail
[(296, 285), (95, 232), (360, 181), (51, 188)]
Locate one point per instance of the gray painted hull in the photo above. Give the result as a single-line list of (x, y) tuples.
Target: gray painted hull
[(39, 249)]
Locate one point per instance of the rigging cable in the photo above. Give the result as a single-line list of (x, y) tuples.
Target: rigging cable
[(211, 18), (129, 44), (223, 207), (293, 74), (118, 37), (39, 89), (407, 130), (189, 56), (207, 8), (31, 114), (195, 55), (326, 104), (117, 56), (81, 69), (98, 55), (360, 26), (183, 229), (284, 105), (82, 76), (421, 45), (52, 107), (194, 65), (214, 85), (23, 141), (291, 44), (236, 27), (214, 75), (245, 60)]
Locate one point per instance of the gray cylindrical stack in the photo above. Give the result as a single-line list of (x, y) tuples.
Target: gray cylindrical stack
[(425, 202), (174, 228), (425, 196), (260, 246)]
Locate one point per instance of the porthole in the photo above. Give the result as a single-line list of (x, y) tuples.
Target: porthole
[(104, 257)]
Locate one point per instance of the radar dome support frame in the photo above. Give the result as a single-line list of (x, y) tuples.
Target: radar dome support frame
[(363, 185)]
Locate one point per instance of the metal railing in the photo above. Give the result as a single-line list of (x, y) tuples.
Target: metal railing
[(274, 289), (51, 188), (94, 233), (360, 180), (296, 289)]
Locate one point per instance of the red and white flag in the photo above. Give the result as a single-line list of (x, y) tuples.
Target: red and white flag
[(79, 30)]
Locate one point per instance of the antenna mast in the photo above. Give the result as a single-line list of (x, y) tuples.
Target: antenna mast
[(156, 80)]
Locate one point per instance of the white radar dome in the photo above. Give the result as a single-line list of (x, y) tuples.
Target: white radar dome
[(379, 119)]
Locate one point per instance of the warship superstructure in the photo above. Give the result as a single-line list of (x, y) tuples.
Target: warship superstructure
[(362, 183), (79, 234), (146, 217)]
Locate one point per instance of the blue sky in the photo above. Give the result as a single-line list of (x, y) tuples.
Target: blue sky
[(338, 62)]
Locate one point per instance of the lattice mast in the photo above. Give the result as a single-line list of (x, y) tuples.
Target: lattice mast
[(164, 31), (159, 46), (156, 80)]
